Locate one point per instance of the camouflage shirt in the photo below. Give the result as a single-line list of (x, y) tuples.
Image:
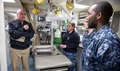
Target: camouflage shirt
[(103, 53), (87, 38)]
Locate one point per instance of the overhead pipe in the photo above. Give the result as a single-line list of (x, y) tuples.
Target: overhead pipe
[(36, 40), (28, 16), (63, 9)]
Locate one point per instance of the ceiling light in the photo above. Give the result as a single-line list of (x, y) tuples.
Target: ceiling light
[(13, 14), (80, 6), (11, 1)]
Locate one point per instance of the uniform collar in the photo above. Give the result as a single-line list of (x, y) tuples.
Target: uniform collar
[(101, 31), (19, 21), (71, 32), (103, 28)]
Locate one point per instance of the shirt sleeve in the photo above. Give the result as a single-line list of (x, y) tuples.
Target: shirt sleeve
[(29, 33), (108, 54), (15, 33)]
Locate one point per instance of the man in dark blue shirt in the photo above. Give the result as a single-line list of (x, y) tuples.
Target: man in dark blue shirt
[(20, 32), (103, 53)]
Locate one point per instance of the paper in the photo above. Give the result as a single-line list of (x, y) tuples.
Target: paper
[(21, 39)]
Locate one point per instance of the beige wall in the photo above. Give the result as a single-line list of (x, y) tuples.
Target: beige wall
[(116, 23)]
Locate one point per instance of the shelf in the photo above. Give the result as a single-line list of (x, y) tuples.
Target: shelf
[(82, 15), (80, 28), (80, 24), (81, 18)]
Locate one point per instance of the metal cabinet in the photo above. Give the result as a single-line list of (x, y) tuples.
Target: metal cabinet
[(79, 59)]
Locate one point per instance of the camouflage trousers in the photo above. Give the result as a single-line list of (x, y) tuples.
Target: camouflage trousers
[(72, 57)]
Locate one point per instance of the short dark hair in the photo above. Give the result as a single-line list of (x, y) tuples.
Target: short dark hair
[(105, 8)]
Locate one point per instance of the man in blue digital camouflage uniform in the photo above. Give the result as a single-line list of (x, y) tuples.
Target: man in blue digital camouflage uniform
[(87, 37), (103, 53), (89, 33)]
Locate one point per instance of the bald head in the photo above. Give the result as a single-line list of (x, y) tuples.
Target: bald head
[(19, 10), (21, 14)]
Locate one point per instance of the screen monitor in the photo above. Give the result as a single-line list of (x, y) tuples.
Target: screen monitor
[(41, 19)]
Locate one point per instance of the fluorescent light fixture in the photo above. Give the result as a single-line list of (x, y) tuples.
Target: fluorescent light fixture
[(59, 15), (57, 18), (13, 14), (80, 6), (11, 1)]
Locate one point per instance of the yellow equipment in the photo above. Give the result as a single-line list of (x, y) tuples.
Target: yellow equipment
[(35, 10), (69, 5), (38, 1), (57, 12)]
